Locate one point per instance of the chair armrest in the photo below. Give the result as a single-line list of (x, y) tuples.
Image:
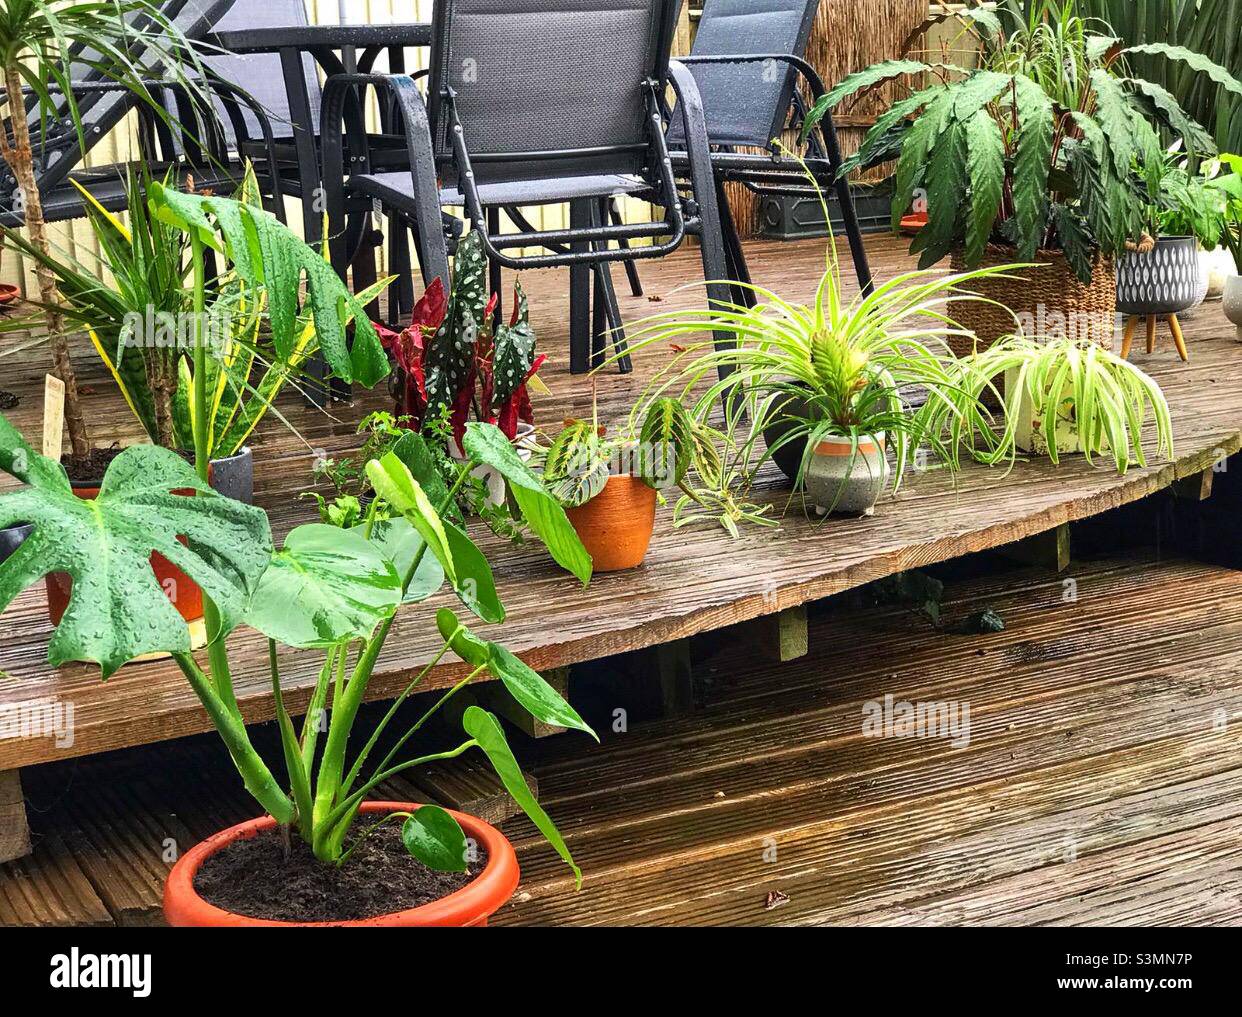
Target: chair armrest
[(342, 116)]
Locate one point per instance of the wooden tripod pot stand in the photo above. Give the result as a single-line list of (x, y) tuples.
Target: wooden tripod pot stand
[(1175, 327)]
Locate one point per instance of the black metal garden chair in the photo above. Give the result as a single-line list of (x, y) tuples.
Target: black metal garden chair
[(192, 141), (535, 102), (748, 60)]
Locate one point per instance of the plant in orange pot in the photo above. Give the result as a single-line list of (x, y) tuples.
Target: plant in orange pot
[(328, 589)]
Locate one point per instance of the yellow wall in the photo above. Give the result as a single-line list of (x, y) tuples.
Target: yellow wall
[(76, 238)]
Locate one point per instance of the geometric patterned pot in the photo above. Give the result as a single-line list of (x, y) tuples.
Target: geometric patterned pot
[(1165, 280)]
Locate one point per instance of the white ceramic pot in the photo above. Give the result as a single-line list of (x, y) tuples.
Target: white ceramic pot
[(524, 444), (1233, 302), (1218, 265), (842, 478)]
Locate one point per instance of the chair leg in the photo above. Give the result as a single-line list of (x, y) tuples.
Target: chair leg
[(401, 293), (631, 267), (739, 271), (608, 310), (495, 281), (580, 293), (845, 197)]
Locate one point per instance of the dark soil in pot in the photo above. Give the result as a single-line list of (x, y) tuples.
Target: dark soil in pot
[(254, 878), (89, 470)]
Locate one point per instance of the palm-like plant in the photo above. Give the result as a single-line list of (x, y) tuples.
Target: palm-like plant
[(1038, 146), (42, 43)]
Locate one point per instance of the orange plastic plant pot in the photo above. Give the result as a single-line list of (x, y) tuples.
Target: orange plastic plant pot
[(472, 905), (616, 525)]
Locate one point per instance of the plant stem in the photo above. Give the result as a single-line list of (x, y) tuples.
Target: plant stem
[(254, 772), (217, 652), (20, 158), (298, 779)]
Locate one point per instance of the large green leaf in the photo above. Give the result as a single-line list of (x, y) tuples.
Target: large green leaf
[(986, 168), (1192, 59), (436, 839), (267, 253), (1167, 109), (513, 352), (118, 611), (412, 449), (1113, 116), (486, 730), (946, 189), (393, 482), (486, 444), (326, 585), (400, 543), (1032, 164), (475, 586), (524, 683)]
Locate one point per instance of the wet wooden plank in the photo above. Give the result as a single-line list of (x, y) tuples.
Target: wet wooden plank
[(48, 889), (14, 830)]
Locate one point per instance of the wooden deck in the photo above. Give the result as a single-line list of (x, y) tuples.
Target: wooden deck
[(1102, 782), (694, 581)]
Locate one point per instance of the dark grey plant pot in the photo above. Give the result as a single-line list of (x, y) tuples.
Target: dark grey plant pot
[(1163, 281), (790, 455), (11, 539), (234, 477)]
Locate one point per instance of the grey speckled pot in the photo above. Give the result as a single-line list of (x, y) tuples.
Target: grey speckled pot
[(234, 477), (11, 539), (1233, 302), (1166, 280), (840, 478)]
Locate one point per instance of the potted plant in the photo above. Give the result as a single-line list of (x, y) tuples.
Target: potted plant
[(41, 46), (328, 589), (1163, 275), (1231, 240), (823, 382), (1066, 395), (162, 329), (1030, 157), (455, 361)]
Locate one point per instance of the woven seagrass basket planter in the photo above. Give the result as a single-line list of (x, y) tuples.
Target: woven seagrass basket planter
[(1048, 300)]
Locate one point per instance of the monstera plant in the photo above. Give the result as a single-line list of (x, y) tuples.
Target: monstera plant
[(329, 590)]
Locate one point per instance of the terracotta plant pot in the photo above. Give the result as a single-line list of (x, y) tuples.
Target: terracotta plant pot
[(9, 294), (472, 905), (615, 526)]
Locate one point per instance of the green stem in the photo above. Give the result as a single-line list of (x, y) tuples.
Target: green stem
[(388, 716), (314, 710), (367, 833), (345, 709), (298, 779), (254, 772), (217, 652), (353, 801)]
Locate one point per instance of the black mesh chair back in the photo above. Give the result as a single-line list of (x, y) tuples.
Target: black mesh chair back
[(260, 75), (547, 88), (747, 104)]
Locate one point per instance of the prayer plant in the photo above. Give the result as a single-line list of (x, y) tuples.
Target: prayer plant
[(327, 589), (1045, 144)]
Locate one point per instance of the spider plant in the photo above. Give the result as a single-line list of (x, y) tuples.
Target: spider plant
[(1064, 394), (835, 367)]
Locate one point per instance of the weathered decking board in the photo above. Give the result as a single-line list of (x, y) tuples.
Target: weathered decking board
[(693, 581), (1099, 785)]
